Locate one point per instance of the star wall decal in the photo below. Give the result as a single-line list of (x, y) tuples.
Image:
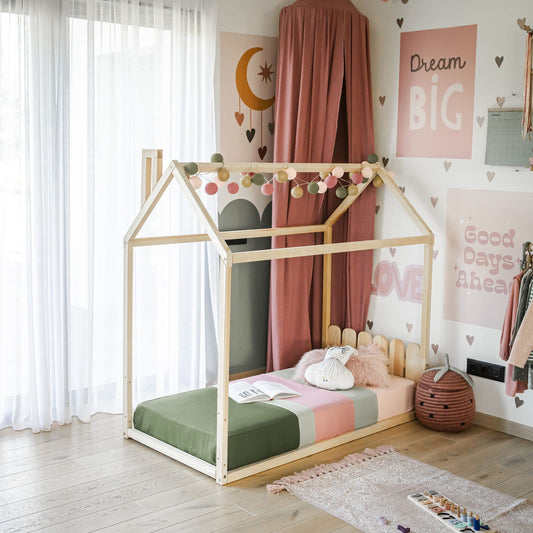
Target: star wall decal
[(266, 72)]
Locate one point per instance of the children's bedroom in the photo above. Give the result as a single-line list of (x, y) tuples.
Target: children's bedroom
[(266, 266)]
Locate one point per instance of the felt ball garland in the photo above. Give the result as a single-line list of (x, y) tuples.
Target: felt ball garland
[(336, 179)]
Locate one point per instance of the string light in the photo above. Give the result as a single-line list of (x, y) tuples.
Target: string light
[(318, 184)]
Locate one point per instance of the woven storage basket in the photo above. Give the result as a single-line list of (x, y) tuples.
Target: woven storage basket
[(447, 405)]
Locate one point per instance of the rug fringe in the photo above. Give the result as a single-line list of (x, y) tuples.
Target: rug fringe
[(281, 484)]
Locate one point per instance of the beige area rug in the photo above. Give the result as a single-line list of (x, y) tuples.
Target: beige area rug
[(375, 483)]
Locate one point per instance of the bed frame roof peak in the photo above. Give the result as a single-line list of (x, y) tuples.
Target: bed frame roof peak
[(155, 183)]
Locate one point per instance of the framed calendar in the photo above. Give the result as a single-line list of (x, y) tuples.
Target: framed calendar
[(505, 145)]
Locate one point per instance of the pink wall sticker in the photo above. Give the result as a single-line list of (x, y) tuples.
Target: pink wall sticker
[(436, 92), (484, 235), (407, 285)]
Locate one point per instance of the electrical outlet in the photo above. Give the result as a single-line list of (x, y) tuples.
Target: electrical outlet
[(485, 370)]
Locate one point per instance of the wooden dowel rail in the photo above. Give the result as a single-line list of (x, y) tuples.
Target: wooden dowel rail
[(313, 168), (323, 249), (229, 235)]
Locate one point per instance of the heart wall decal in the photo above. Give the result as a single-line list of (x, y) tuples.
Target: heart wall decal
[(239, 117), (409, 326), (250, 134), (262, 150), (382, 100), (518, 402), (490, 175), (499, 60), (378, 207), (392, 251), (480, 121), (370, 324), (435, 348), (434, 201), (500, 100), (470, 339), (385, 161), (447, 165), (399, 22)]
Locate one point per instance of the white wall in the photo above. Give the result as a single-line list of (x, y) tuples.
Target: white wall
[(498, 35)]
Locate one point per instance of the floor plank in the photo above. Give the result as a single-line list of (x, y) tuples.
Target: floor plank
[(85, 478)]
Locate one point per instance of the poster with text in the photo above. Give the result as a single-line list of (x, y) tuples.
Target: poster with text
[(247, 96), (436, 93), (484, 235)]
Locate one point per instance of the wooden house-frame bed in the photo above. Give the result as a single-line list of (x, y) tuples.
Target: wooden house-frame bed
[(408, 361)]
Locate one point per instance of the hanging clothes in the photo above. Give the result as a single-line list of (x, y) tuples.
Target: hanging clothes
[(522, 351), (514, 314)]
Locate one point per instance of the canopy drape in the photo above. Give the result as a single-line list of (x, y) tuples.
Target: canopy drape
[(323, 114)]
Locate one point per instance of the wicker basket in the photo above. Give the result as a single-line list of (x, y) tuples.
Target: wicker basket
[(447, 405)]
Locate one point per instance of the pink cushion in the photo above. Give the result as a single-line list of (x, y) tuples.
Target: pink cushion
[(369, 366)]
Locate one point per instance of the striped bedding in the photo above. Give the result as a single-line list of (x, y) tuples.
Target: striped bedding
[(264, 429)]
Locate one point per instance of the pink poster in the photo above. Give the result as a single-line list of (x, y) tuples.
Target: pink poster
[(436, 93), (484, 235)]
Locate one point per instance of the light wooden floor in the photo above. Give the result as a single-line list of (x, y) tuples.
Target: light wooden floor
[(86, 477)]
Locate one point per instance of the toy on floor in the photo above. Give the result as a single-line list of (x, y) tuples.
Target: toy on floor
[(448, 512)]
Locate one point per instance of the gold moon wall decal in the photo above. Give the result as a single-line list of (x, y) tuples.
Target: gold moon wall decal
[(243, 87)]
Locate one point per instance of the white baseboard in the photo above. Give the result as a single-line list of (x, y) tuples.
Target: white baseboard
[(505, 426)]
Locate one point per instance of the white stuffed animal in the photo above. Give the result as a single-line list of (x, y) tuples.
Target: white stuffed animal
[(331, 374)]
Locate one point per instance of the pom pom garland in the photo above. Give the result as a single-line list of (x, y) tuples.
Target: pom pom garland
[(191, 168), (312, 188), (211, 188), (267, 189), (338, 172), (291, 173), (330, 181), (282, 176), (233, 187), (196, 182), (367, 172), (341, 192), (356, 177), (246, 181), (258, 179), (223, 174), (317, 183), (297, 192)]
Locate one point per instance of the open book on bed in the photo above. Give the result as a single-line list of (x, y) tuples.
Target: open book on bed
[(259, 391)]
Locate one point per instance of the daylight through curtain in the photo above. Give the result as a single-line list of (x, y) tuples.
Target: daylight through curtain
[(84, 86)]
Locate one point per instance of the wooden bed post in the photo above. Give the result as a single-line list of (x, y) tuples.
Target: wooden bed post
[(128, 335), (152, 169), (426, 303), (223, 372), (326, 287)]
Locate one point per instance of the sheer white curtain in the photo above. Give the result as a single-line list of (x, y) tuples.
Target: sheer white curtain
[(84, 86)]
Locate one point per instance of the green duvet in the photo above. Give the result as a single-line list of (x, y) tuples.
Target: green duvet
[(188, 421)]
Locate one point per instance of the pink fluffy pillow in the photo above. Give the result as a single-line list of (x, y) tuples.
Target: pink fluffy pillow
[(369, 366)]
